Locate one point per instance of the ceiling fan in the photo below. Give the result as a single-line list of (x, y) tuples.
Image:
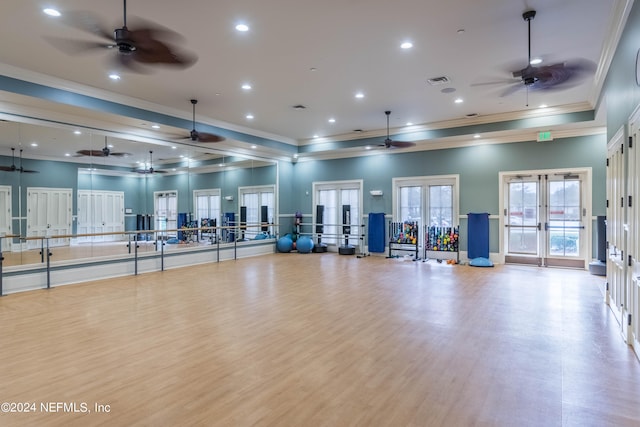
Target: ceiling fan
[(559, 76), (149, 44), (196, 136), (150, 169), (105, 152), (388, 143), (13, 167)]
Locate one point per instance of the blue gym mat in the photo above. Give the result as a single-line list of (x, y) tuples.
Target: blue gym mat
[(478, 235), (376, 232)]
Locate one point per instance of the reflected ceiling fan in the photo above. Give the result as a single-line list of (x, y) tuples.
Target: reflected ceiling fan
[(105, 152), (13, 167), (559, 76), (149, 169), (196, 136), (146, 44), (388, 143)]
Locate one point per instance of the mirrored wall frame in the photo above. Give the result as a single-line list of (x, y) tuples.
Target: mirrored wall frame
[(83, 195)]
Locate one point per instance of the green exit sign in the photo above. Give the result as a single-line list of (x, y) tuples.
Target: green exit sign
[(545, 136)]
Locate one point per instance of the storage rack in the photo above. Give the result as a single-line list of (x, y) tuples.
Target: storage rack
[(441, 243), (404, 237)]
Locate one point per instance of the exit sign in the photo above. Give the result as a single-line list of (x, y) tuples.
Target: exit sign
[(545, 136)]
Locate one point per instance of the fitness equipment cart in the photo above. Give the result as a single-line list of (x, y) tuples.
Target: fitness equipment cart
[(403, 237)]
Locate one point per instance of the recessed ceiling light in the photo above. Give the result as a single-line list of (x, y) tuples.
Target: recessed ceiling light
[(114, 76), (173, 147), (476, 136), (535, 61), (77, 132), (254, 147), (34, 144), (359, 95), (242, 27), (332, 120), (51, 12), (249, 116), (459, 101), (67, 155), (409, 124), (543, 106), (315, 136), (110, 145), (368, 147), (221, 165), (406, 45), (155, 126), (246, 86)]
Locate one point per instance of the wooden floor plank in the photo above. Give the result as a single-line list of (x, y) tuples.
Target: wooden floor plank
[(321, 340)]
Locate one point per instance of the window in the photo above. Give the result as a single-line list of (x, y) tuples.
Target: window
[(207, 206), (166, 211), (259, 203)]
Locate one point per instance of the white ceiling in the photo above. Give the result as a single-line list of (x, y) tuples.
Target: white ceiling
[(315, 53)]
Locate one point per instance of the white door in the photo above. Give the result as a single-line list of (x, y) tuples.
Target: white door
[(616, 267), (633, 243), (48, 214), (5, 216), (100, 212)]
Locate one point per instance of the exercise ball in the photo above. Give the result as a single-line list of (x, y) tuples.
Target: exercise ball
[(284, 244), (304, 244)]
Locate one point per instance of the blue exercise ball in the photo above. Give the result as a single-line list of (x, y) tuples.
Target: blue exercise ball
[(304, 244), (284, 244)]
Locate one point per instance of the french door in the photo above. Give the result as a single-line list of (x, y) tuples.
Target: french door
[(100, 212), (48, 214), (546, 219)]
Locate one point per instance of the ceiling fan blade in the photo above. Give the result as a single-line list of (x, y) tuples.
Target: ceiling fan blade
[(120, 154), (88, 22), (8, 168), (209, 137), (90, 153), (402, 144), (78, 47), (28, 171)]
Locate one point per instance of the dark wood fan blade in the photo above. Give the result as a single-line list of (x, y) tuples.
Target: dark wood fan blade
[(77, 47), (402, 144), (8, 168), (209, 137), (88, 22), (90, 153), (28, 171), (120, 154), (155, 52)]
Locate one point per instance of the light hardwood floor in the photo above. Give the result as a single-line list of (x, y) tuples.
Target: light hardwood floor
[(321, 340)]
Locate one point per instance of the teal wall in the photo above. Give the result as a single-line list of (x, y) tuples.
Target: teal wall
[(478, 168), (620, 91)]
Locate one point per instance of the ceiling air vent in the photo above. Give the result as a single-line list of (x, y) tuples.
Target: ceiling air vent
[(438, 80)]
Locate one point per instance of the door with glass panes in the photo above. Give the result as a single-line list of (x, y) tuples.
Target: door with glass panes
[(341, 215), (546, 220)]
